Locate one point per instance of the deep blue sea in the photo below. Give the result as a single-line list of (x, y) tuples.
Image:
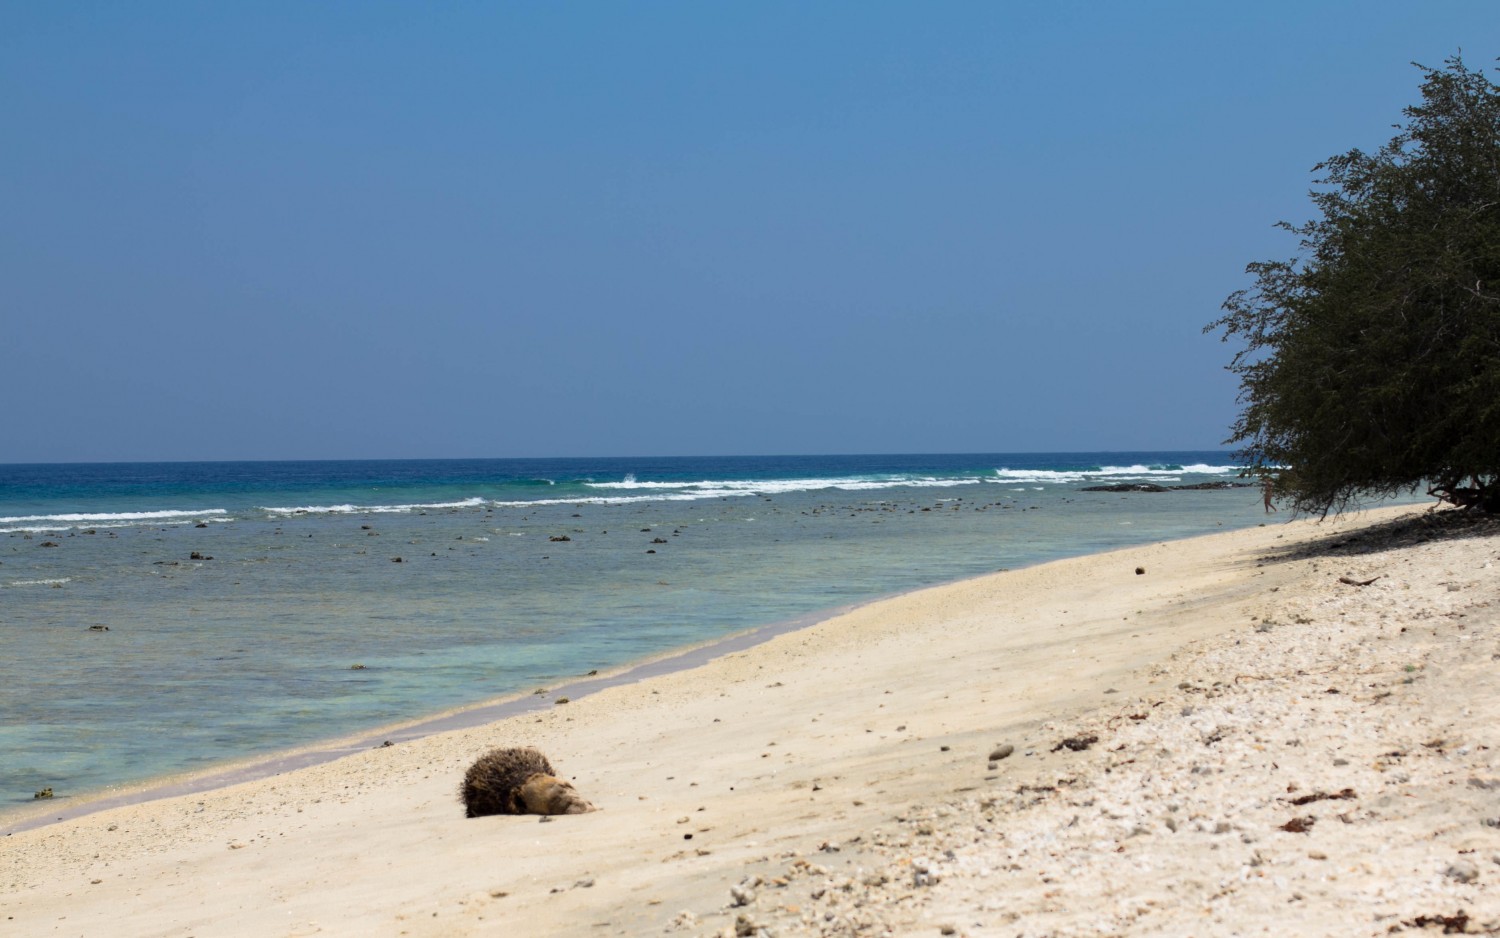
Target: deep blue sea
[(160, 618)]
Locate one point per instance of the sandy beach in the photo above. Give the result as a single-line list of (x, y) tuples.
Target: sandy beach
[(1289, 729)]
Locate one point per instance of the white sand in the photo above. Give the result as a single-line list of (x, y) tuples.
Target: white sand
[(835, 780)]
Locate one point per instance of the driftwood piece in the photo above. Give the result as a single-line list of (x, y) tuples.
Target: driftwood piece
[(1351, 581), (1344, 795), (1076, 743)]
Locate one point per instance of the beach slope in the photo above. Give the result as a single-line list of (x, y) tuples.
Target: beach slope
[(1223, 735)]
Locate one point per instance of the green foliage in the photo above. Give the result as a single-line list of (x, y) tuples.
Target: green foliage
[(1371, 360)]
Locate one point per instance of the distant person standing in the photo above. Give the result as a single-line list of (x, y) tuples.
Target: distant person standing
[(1266, 493)]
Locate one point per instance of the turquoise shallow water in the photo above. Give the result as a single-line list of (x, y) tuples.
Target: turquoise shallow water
[(158, 619)]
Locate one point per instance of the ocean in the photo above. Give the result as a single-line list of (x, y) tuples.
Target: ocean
[(165, 618)]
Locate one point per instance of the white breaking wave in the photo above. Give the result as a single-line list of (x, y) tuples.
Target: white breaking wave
[(598, 500), (57, 582), (727, 488), (127, 516), (371, 509), (1109, 473), (631, 490), (43, 524)]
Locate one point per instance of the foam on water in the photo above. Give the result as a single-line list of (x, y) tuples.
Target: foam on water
[(69, 520), (1112, 474), (370, 509), (725, 488)]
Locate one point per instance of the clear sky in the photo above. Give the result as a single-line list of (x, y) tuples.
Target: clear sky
[(292, 230)]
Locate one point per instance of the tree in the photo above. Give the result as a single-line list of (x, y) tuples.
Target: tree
[(1371, 360)]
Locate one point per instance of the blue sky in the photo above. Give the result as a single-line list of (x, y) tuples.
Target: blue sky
[(348, 230)]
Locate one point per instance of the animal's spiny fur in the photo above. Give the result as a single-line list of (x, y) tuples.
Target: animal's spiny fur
[(518, 781)]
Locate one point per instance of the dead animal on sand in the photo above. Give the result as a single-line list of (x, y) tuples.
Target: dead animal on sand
[(518, 781)]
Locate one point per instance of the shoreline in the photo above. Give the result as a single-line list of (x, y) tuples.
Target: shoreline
[(836, 774), (24, 816), (300, 622)]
